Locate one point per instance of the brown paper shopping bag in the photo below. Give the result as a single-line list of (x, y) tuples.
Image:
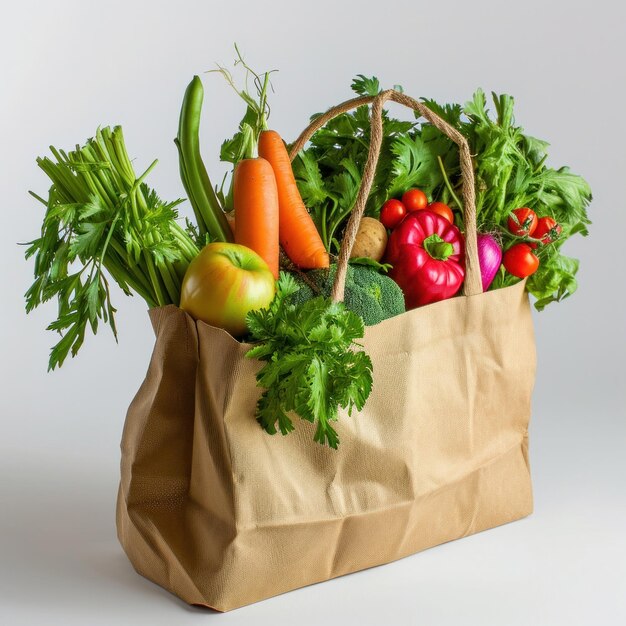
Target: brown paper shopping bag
[(222, 514)]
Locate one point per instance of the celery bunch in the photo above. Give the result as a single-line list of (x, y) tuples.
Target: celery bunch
[(101, 219)]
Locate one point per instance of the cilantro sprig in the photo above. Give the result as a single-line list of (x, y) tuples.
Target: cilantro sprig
[(311, 367)]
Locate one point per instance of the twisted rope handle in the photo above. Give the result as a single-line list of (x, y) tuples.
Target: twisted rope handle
[(473, 283)]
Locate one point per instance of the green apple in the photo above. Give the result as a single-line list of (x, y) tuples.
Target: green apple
[(224, 283)]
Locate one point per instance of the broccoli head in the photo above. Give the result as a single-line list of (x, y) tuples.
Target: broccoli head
[(371, 295)]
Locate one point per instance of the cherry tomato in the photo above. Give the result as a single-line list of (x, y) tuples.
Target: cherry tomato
[(392, 213), (520, 260), (547, 230), (522, 222), (414, 200), (441, 209)]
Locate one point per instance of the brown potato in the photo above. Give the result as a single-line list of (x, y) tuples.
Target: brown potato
[(371, 240)]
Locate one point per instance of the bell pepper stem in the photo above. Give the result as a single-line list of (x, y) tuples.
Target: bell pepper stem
[(437, 248)]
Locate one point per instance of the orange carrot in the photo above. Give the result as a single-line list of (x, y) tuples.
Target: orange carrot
[(255, 198), (297, 232)]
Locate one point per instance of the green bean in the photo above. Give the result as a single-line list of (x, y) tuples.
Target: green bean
[(204, 201)]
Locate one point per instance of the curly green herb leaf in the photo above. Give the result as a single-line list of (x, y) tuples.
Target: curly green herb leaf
[(311, 367)]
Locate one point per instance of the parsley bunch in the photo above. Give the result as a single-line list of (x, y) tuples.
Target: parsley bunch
[(329, 171), (310, 367), (102, 219), (511, 172)]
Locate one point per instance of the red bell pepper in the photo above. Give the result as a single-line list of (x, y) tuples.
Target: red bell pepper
[(427, 255)]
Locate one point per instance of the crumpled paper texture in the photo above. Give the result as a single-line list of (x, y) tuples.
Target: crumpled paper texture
[(223, 514)]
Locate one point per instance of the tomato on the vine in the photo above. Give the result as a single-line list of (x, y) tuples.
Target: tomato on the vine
[(441, 209), (522, 222), (547, 230), (520, 260), (414, 200), (392, 213)]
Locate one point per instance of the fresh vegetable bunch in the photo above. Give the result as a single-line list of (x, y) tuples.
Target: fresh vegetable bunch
[(258, 259), (102, 221), (511, 174), (329, 171), (419, 169)]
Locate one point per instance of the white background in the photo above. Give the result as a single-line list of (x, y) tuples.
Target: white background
[(68, 67)]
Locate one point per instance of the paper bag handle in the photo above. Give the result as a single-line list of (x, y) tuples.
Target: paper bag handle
[(473, 283)]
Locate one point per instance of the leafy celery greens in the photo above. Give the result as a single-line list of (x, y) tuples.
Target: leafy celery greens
[(310, 367), (511, 172), (510, 169), (101, 216)]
